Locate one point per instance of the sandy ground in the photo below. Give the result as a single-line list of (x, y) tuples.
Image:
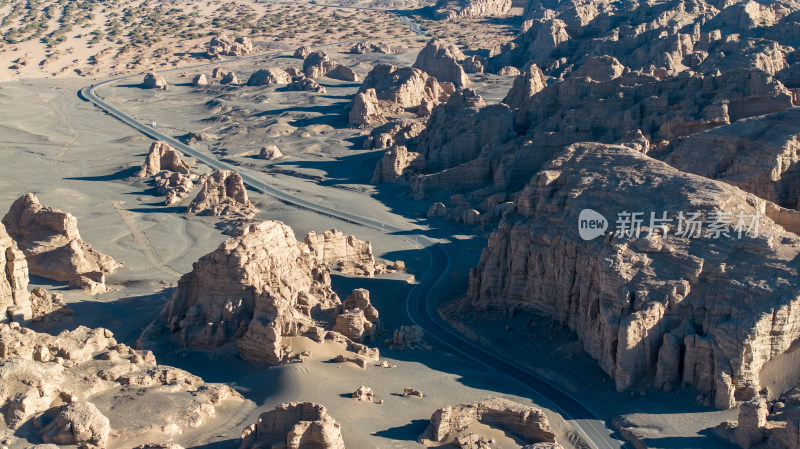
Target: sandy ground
[(160, 34)]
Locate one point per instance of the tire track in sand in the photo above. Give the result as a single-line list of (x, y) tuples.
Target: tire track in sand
[(141, 239)]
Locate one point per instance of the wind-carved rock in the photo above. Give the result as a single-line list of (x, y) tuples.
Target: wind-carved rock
[(270, 153), (525, 422), (302, 52), (306, 84), (579, 109), (223, 195), (230, 78), (78, 423), (53, 247), (224, 45), (441, 61), (41, 372), (160, 157), (294, 425), (15, 300), (357, 318), (200, 80), (525, 87), (454, 140), (459, 129), (393, 133), (398, 165), (365, 47), (171, 175), (452, 9), (390, 90), (318, 64), (256, 289), (269, 76), (636, 302), (154, 81), (344, 252)]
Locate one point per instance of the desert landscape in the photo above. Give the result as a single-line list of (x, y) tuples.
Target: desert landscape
[(470, 224)]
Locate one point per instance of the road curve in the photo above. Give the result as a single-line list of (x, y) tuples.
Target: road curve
[(420, 307)]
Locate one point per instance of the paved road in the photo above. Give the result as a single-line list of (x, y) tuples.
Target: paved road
[(421, 308)]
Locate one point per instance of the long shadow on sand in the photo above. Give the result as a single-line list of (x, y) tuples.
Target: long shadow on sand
[(402, 433), (122, 174)]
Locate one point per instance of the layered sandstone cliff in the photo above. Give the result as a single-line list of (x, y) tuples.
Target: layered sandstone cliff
[(53, 247), (15, 301), (160, 157), (344, 252), (713, 310)]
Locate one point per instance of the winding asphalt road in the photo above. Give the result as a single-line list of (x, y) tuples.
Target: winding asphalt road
[(421, 309)]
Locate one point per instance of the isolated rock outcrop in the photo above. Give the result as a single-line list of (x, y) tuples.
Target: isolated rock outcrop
[(390, 90), (270, 153), (637, 299), (224, 45), (200, 80), (318, 64), (160, 157), (344, 252), (15, 300), (357, 318), (223, 195), (398, 165), (294, 425), (78, 423), (306, 84), (441, 60), (42, 371), (53, 247), (229, 78), (154, 81), (269, 76), (302, 52), (452, 9), (365, 47), (364, 394), (437, 209), (255, 289), (525, 422)]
